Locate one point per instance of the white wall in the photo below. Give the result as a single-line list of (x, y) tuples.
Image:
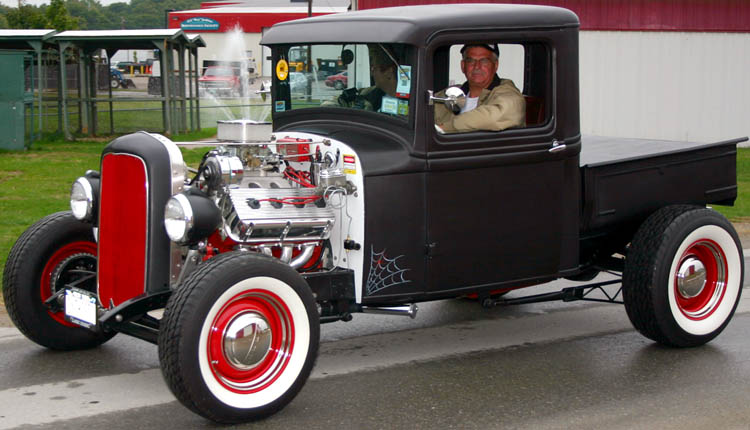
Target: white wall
[(222, 47), (665, 85)]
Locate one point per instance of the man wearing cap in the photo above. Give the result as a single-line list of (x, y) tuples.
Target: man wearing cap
[(492, 103)]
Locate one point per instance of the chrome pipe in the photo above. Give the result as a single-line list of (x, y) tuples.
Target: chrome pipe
[(286, 253), (304, 256), (404, 311)]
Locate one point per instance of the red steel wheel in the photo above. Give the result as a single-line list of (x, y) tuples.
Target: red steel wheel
[(56, 252), (700, 280), (239, 337), (250, 341), (683, 276), (706, 281), (74, 263)]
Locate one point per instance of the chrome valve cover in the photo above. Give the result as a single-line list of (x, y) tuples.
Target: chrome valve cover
[(257, 215)]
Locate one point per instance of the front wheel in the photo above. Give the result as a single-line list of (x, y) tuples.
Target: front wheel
[(56, 252), (239, 338), (683, 276)]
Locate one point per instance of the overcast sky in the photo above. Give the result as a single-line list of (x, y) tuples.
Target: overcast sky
[(40, 2)]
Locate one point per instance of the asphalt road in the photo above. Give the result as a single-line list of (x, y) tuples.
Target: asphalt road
[(550, 365)]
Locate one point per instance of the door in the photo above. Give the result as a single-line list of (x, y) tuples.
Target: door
[(502, 205)]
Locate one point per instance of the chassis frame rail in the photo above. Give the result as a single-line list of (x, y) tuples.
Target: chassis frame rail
[(569, 294)]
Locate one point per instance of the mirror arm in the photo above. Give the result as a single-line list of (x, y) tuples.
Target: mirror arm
[(431, 99)]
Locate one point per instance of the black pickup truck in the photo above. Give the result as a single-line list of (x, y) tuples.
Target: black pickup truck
[(355, 202)]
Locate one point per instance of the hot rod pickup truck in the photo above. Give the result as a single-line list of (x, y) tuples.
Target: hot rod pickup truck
[(353, 201)]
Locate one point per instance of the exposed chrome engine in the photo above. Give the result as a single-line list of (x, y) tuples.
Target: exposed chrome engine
[(275, 196)]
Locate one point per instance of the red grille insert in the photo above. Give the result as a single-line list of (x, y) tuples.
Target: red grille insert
[(123, 232)]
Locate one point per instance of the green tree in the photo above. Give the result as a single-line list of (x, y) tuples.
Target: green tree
[(3, 21), (91, 13), (58, 17), (26, 17)]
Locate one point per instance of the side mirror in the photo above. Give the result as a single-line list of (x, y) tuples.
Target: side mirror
[(265, 89), (454, 99)]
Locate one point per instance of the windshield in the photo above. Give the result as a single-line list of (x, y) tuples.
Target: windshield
[(373, 77)]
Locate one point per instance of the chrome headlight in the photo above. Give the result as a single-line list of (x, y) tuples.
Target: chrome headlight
[(178, 218), (82, 198), (190, 217)]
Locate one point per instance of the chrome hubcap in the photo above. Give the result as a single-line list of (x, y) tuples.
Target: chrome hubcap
[(691, 277), (247, 340)]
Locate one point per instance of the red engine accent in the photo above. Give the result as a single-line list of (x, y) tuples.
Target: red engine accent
[(302, 147), (123, 230), (216, 245)]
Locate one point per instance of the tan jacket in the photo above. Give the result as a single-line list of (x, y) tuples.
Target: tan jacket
[(500, 106)]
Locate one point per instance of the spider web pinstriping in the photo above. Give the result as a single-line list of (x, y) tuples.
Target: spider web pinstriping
[(384, 272)]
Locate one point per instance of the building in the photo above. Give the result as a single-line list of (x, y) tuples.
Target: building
[(658, 69), (232, 29)]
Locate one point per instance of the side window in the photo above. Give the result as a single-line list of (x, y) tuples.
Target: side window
[(506, 86)]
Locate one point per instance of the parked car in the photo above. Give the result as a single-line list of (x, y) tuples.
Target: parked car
[(221, 80), (338, 81), (345, 210)]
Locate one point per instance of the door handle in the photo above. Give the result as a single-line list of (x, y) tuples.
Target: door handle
[(557, 146)]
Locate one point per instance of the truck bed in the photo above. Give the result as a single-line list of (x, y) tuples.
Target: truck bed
[(624, 180)]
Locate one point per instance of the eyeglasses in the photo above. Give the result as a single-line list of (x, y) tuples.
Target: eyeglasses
[(484, 62)]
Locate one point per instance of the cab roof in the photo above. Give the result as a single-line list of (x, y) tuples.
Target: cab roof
[(415, 25)]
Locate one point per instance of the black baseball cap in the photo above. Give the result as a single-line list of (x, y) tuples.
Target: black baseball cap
[(490, 47)]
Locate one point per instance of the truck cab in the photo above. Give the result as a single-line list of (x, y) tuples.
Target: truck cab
[(456, 193)]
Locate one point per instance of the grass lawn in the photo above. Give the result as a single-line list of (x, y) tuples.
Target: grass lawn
[(36, 182)]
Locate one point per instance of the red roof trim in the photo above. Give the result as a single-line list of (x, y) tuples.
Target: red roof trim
[(631, 15)]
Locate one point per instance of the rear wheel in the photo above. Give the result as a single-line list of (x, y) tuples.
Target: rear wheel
[(239, 338), (338, 85), (683, 276), (56, 252)]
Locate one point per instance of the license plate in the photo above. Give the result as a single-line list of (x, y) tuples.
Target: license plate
[(80, 307)]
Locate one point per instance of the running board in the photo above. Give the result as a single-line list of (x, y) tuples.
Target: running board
[(569, 294)]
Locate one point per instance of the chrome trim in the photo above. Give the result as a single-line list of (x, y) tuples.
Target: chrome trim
[(289, 223), (304, 256), (691, 277), (88, 193), (557, 146), (286, 253), (404, 311), (177, 163), (187, 216), (247, 340)]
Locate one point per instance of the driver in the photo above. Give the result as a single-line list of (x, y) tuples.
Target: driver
[(492, 103), (383, 73)]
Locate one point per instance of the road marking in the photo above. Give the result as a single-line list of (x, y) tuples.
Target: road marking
[(46, 403)]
